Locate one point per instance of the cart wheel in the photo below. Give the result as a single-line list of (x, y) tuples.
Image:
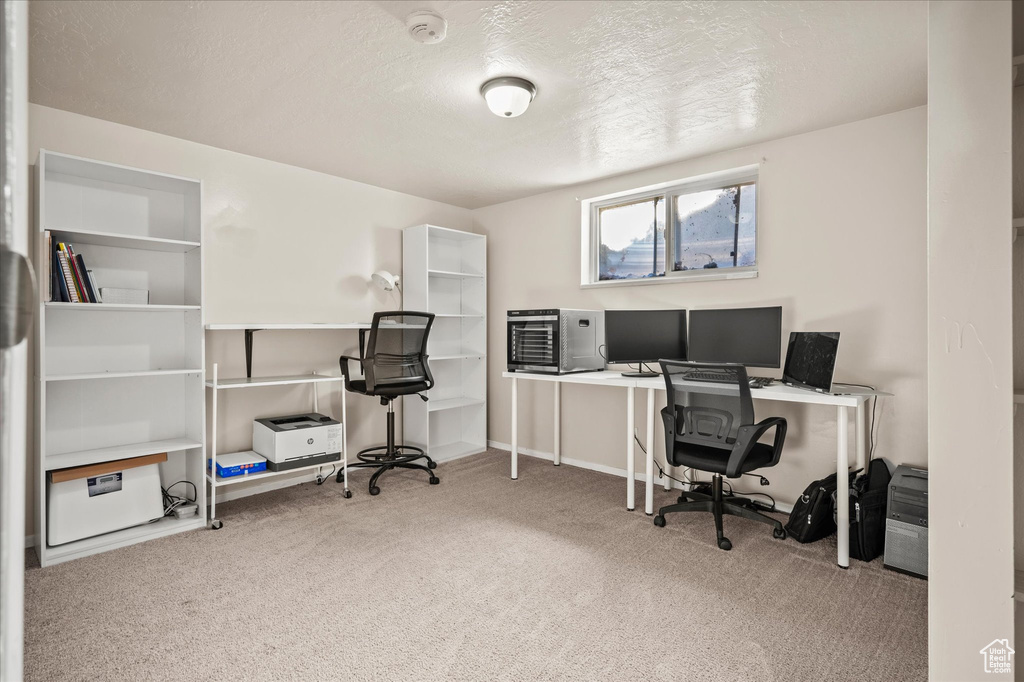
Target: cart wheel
[(348, 494), (216, 524)]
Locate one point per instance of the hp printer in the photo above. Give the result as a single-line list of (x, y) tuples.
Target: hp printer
[(298, 440)]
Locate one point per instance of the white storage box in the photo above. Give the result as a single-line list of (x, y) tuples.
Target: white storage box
[(124, 296), (100, 498)]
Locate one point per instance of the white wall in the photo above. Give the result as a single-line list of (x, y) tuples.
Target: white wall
[(970, 429), (841, 247), (283, 244)]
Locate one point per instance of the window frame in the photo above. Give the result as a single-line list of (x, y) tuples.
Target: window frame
[(591, 208)]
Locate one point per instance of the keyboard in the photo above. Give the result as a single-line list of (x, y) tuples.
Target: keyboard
[(725, 378)]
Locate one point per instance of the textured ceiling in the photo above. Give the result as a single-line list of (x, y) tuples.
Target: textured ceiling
[(339, 87)]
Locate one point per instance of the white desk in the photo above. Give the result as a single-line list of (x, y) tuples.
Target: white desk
[(777, 392)]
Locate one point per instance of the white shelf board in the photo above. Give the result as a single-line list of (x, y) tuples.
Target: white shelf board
[(273, 381), (469, 356), (115, 307), (120, 538), (84, 457), (122, 241), (246, 478), (455, 315), (454, 235), (121, 375), (453, 275), (454, 450), (453, 403), (265, 325)]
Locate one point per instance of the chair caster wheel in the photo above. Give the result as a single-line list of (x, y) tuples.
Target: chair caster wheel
[(374, 490), (434, 480), (431, 465), (724, 543), (659, 521), (779, 533), (681, 499), (348, 494), (216, 524)]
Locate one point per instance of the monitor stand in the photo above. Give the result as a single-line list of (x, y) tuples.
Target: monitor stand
[(640, 375)]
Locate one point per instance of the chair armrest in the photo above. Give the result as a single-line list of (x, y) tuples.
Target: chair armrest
[(343, 361), (747, 437)]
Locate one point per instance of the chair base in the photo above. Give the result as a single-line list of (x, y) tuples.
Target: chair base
[(719, 507), (384, 458)]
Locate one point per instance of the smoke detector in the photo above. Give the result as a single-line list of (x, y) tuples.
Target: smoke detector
[(426, 27)]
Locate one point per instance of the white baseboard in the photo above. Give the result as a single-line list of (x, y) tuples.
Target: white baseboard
[(30, 541), (604, 469)]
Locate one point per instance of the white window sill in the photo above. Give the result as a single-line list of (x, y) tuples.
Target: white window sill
[(692, 276)]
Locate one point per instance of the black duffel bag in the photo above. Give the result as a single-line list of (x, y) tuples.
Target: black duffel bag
[(811, 518), (869, 496)]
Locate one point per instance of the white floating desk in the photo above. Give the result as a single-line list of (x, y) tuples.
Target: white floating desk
[(856, 400)]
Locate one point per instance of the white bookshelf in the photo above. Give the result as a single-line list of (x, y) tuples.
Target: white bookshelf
[(445, 272), (115, 381)]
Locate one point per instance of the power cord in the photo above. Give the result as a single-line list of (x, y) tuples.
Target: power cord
[(172, 502), (320, 479), (874, 406)]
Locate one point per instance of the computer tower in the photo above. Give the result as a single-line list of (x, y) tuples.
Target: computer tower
[(906, 523)]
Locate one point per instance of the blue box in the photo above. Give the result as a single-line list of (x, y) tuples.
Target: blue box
[(238, 464)]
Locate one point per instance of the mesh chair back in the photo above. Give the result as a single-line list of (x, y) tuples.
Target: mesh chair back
[(396, 352), (708, 414)]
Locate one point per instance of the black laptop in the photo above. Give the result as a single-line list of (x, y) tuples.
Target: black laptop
[(811, 360)]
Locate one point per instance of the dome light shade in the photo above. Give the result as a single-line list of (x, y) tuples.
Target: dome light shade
[(508, 97), (384, 280)]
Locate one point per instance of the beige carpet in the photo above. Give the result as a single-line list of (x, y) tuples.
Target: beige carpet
[(479, 578)]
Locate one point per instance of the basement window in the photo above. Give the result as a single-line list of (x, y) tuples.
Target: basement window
[(696, 229)]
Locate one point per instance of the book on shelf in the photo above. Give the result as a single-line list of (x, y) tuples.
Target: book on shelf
[(69, 281)]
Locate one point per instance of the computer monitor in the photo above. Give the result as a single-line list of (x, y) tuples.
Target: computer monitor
[(638, 336), (746, 336), (811, 360)]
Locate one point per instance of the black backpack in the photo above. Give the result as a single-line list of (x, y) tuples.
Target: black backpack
[(869, 497), (812, 518)]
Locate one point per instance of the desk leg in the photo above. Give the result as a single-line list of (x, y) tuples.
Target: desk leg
[(649, 487), (558, 422), (515, 428), (861, 437), (843, 487), (630, 461)]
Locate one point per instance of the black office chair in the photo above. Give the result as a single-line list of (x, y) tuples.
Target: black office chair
[(710, 427), (394, 363)]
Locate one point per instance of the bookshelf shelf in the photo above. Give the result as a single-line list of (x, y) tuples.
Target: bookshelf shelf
[(84, 457), (125, 375), (453, 403), (123, 241), (445, 272), (452, 274), (121, 375), (115, 307)]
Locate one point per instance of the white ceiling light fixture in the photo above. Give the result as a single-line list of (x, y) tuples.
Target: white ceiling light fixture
[(508, 97), (426, 27)]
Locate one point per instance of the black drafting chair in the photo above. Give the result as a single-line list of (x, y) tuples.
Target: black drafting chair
[(393, 363), (710, 427)]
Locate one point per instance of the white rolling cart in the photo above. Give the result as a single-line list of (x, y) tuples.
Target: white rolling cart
[(216, 385)]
